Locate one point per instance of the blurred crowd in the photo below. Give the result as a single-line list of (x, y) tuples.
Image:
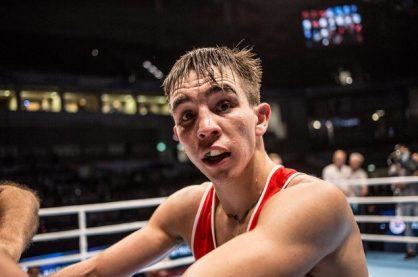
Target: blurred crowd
[(401, 162)]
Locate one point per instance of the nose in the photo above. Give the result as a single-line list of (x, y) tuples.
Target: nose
[(208, 127)]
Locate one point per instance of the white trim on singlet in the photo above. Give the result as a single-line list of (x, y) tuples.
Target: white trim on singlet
[(212, 220), (290, 178), (199, 210), (262, 195)]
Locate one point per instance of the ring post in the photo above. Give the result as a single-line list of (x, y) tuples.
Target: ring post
[(83, 236)]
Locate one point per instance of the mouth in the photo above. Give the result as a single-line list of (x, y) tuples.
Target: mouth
[(214, 157)]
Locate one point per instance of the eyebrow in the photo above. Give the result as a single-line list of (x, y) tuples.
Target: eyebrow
[(214, 89), (219, 88), (178, 101)]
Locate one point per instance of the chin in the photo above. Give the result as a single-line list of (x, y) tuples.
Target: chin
[(222, 175)]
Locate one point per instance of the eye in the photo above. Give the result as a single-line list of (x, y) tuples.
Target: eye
[(186, 116), (224, 106)]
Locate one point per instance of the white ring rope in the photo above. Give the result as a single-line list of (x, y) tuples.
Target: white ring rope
[(101, 207), (382, 199), (169, 264), (102, 230), (383, 218), (380, 181), (77, 257), (58, 260), (83, 231), (388, 238)]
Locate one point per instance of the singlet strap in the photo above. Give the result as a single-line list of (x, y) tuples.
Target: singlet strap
[(253, 214), (198, 213), (290, 178)]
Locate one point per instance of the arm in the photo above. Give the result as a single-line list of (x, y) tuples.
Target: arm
[(310, 223), (165, 228), (8, 267), (18, 218)]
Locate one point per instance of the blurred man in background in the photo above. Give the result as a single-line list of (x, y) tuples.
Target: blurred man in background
[(402, 163), (355, 162), (338, 172), (18, 223)]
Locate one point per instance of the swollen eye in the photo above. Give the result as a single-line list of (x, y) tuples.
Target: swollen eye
[(186, 116), (225, 106)]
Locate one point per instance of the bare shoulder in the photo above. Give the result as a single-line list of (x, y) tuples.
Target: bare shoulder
[(310, 194), (178, 211), (17, 193), (188, 198), (12, 187), (311, 208)]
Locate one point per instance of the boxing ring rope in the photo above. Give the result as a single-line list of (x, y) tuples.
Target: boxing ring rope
[(83, 231), (384, 200)]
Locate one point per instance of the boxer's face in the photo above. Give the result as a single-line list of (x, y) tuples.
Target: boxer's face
[(216, 124)]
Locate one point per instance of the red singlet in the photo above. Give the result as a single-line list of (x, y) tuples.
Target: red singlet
[(203, 235)]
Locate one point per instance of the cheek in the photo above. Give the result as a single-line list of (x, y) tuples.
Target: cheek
[(247, 124), (245, 129), (184, 134), (190, 153), (188, 141)]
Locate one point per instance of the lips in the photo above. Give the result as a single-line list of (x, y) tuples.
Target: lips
[(214, 157)]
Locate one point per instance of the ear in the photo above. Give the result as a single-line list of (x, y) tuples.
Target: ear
[(263, 112), (175, 136)]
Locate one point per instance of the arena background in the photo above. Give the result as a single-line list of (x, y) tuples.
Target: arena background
[(83, 118)]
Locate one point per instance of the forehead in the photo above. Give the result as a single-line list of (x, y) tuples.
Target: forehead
[(339, 154), (194, 82)]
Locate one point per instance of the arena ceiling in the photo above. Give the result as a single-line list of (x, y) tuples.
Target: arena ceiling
[(59, 37)]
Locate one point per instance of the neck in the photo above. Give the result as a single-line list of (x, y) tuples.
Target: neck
[(239, 195), (240, 218)]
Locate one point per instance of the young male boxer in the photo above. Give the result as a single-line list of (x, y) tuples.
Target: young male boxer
[(253, 217)]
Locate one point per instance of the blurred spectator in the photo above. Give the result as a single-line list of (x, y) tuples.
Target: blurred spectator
[(355, 162), (356, 172), (276, 158), (402, 163), (338, 172)]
